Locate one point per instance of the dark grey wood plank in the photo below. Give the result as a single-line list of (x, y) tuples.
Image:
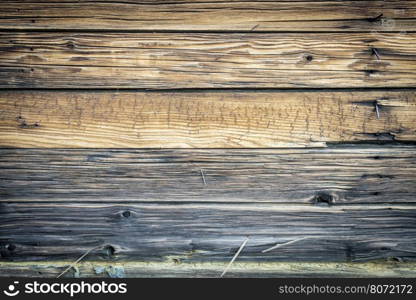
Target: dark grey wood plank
[(344, 174), (205, 232)]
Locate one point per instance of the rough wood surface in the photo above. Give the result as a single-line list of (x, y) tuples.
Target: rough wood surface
[(205, 232), (337, 175), (171, 268), (203, 119), (195, 60), (210, 15), (178, 212)]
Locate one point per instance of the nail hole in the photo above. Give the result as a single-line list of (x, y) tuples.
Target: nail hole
[(396, 259), (31, 49), (33, 21), (10, 247), (126, 214), (309, 57), (110, 250), (323, 199), (370, 72), (176, 261)]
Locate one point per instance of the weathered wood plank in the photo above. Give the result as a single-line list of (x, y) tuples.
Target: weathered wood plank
[(172, 268), (203, 119), (334, 176), (195, 60), (210, 15), (205, 232)]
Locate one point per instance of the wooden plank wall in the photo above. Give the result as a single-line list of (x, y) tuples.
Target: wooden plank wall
[(157, 136)]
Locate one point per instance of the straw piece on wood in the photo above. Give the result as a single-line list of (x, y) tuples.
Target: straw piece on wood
[(78, 260), (284, 244), (234, 257)]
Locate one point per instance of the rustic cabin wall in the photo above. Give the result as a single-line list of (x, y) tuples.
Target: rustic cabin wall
[(153, 138)]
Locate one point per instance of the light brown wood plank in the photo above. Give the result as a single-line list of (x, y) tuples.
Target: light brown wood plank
[(337, 175), (210, 15), (100, 119), (195, 60)]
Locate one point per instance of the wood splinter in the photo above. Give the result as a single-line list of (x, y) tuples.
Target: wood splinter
[(375, 19), (374, 51), (254, 27), (377, 110), (203, 177)]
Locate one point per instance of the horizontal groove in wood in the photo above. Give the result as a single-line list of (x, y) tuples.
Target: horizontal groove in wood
[(207, 233), (177, 268), (343, 175), (211, 15), (112, 119), (191, 60)]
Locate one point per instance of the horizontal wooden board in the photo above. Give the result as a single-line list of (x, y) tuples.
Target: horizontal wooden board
[(172, 268), (196, 60), (224, 119), (205, 232), (210, 15), (334, 176)]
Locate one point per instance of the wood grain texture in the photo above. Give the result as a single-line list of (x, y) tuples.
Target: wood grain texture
[(196, 60), (205, 232), (172, 268), (203, 119), (335, 176), (178, 212), (210, 15)]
